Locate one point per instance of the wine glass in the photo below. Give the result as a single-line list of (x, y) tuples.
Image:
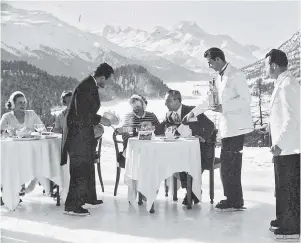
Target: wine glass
[(39, 128), (11, 131), (49, 129)]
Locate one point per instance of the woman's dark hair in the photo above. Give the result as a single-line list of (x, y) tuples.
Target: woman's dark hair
[(214, 53), (64, 95), (9, 104), (105, 70), (278, 57)]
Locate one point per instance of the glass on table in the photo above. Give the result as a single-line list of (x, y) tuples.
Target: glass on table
[(39, 128), (49, 129)]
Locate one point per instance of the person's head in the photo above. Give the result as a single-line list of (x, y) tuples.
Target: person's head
[(215, 58), (17, 102), (102, 73), (173, 100), (275, 63), (66, 97), (138, 104)]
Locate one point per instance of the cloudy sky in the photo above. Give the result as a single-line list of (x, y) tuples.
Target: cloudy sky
[(263, 23)]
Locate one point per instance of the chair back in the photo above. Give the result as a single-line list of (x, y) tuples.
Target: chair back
[(98, 149), (118, 152)]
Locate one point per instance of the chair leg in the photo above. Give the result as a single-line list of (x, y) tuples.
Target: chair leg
[(211, 183), (166, 188), (140, 201), (175, 191), (58, 198), (117, 181), (100, 177), (51, 188), (152, 210), (189, 191)]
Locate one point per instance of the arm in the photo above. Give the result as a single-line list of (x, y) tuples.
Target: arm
[(3, 123), (201, 107), (290, 100), (127, 123), (243, 98)]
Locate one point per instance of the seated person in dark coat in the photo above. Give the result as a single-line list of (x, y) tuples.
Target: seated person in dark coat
[(203, 127)]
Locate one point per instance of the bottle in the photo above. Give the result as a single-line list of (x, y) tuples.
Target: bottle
[(213, 94)]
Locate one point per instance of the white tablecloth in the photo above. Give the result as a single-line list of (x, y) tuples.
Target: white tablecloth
[(22, 161), (148, 163)]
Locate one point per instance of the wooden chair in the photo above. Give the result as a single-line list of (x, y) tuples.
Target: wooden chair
[(119, 158), (121, 162), (216, 163), (97, 162)]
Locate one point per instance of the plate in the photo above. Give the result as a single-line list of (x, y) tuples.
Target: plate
[(189, 138), (32, 137), (170, 139), (50, 136)]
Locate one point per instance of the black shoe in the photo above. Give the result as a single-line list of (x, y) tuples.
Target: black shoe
[(274, 224), (2, 203), (226, 204), (79, 211), (194, 200), (96, 202)]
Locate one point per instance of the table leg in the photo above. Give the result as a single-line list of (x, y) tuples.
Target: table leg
[(175, 191), (152, 209), (58, 198), (189, 191)]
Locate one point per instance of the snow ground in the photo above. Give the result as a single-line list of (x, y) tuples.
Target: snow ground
[(37, 219)]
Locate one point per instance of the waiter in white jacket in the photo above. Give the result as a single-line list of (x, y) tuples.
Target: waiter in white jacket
[(284, 126), (235, 121)]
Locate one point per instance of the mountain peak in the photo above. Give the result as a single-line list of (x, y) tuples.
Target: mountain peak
[(188, 27), (6, 7), (108, 29)]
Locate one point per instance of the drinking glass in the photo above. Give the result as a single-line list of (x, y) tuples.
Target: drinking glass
[(39, 128)]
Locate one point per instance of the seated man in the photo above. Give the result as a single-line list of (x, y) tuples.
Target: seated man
[(203, 127), (137, 116)]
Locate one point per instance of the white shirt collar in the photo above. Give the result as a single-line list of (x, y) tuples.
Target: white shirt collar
[(94, 80), (179, 111)]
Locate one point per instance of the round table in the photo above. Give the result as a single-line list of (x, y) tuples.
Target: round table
[(22, 161), (149, 162)]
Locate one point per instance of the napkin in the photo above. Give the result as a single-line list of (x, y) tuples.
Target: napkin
[(184, 130)]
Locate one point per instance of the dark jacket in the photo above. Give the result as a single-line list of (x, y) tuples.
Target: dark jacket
[(204, 127), (81, 113)]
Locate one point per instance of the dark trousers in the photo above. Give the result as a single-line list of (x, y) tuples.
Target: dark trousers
[(287, 184), (231, 162), (82, 188), (207, 156)]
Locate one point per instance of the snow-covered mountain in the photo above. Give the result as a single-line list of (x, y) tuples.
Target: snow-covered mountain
[(49, 43), (184, 44), (292, 49)]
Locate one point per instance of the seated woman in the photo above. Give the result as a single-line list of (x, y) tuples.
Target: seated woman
[(59, 120), (19, 117), (137, 116)]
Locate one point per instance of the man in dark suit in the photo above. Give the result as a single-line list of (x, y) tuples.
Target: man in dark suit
[(78, 140), (203, 127)]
